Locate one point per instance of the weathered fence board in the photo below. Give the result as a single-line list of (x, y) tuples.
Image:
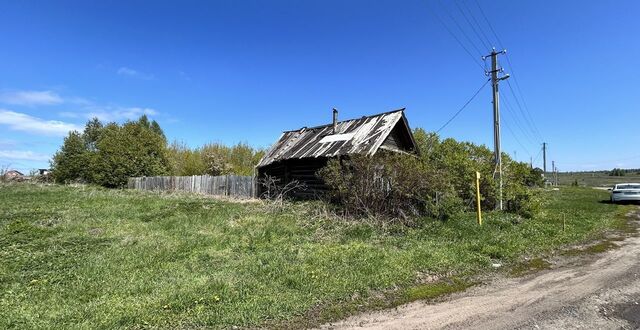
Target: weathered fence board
[(225, 185)]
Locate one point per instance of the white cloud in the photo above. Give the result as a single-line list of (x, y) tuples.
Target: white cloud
[(31, 98), (119, 114), (109, 114), (124, 71), (23, 122), (24, 155)]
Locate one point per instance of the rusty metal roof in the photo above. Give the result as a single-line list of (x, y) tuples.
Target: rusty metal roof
[(355, 136)]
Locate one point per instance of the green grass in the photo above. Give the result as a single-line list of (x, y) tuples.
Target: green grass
[(95, 258), (595, 179)]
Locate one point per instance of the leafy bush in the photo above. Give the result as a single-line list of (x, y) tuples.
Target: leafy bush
[(238, 159), (439, 183), (213, 159), (389, 185)]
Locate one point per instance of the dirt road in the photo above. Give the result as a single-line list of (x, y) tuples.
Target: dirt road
[(600, 291)]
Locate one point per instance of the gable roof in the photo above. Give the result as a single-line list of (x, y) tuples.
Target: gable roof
[(14, 172), (355, 136)]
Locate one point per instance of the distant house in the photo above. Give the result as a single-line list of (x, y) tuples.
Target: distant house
[(299, 154), (44, 171), (13, 175)]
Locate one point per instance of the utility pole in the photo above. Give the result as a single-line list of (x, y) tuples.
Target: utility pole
[(544, 158), (553, 171), (496, 116), (531, 162)]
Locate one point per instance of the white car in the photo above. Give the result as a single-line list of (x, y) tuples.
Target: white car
[(625, 192)]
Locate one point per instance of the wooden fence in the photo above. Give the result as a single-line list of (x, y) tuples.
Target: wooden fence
[(225, 185)]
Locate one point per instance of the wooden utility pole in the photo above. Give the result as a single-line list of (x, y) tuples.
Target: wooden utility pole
[(553, 171), (496, 116)]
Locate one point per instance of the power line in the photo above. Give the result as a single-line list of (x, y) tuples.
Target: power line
[(522, 95), (460, 28), (488, 23), (516, 138), (510, 69), (463, 107), (537, 156), (472, 27), (528, 140), (524, 113), (528, 133), (527, 121), (473, 17), (474, 58)]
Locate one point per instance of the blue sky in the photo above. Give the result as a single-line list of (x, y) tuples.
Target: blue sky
[(229, 71)]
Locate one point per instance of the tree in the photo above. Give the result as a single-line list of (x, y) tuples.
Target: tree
[(91, 133), (617, 172), (130, 150), (156, 128), (69, 163), (185, 161), (109, 155)]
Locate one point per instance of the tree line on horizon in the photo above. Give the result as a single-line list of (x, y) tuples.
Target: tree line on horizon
[(108, 154)]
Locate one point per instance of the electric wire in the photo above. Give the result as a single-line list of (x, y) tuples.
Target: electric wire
[(435, 135), (464, 15), (455, 21), (516, 139), (526, 107), (473, 17), (493, 31), (463, 107), (488, 23), (535, 160), (526, 117), (528, 134), (474, 58), (527, 121)]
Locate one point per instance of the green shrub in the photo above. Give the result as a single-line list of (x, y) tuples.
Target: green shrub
[(524, 202), (389, 185), (439, 183)]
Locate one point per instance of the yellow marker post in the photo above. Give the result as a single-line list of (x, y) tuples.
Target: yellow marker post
[(478, 198)]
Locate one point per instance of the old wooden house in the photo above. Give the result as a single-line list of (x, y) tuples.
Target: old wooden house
[(13, 175), (299, 154)]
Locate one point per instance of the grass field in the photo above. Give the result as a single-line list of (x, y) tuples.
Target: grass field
[(595, 179), (93, 258)]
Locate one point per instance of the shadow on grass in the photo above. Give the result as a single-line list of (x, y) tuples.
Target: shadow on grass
[(607, 201)]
